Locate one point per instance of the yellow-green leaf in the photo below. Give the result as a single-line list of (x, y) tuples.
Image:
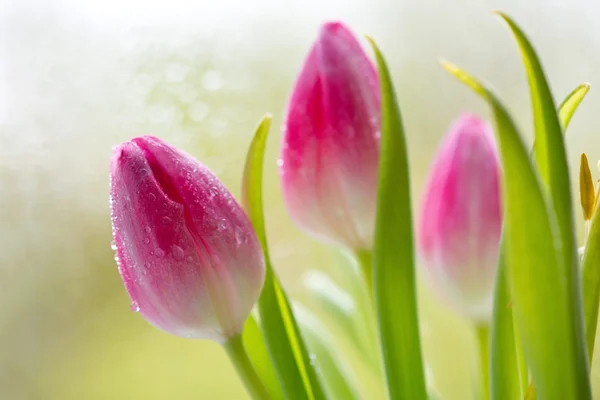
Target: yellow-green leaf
[(570, 103), (286, 346), (542, 303), (393, 255)]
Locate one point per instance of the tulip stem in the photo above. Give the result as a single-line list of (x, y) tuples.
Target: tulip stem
[(243, 365), (483, 337), (365, 260)]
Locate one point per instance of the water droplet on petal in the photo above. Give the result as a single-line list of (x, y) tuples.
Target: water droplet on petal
[(165, 220), (151, 196), (159, 252), (148, 229), (135, 307), (146, 240), (113, 245), (190, 259), (177, 252), (239, 235)]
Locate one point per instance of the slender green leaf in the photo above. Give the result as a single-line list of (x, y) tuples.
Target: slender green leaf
[(552, 163), (256, 347), (541, 301), (570, 103), (591, 282), (551, 160), (285, 344), (338, 380), (504, 368), (393, 262)]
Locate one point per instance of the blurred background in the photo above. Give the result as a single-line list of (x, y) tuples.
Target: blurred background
[(77, 77)]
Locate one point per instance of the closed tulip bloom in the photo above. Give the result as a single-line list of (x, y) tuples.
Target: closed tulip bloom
[(461, 218), (330, 150), (186, 252)]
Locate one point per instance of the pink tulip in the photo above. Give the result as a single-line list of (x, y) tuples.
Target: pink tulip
[(330, 148), (186, 251), (461, 218)]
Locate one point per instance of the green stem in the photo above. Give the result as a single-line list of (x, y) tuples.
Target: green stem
[(483, 337), (365, 260), (240, 360)]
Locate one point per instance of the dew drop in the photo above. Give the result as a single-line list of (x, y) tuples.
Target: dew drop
[(135, 307), (146, 240), (159, 252), (151, 196), (214, 192), (177, 252), (148, 229), (165, 220), (239, 235), (113, 245), (190, 259)]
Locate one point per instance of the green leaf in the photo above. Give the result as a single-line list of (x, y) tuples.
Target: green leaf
[(393, 261), (338, 381), (542, 303), (552, 163), (551, 157), (591, 282), (256, 347), (504, 370), (570, 103), (285, 344)]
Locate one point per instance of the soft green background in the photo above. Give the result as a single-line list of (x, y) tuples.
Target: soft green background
[(76, 77)]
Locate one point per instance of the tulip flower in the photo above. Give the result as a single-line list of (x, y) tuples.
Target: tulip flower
[(330, 150), (461, 218), (187, 253)]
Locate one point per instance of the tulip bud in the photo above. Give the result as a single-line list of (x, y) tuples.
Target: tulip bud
[(330, 148), (461, 218), (187, 253)]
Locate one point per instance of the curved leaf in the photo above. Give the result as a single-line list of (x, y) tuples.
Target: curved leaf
[(569, 105), (542, 303), (552, 164), (285, 344), (504, 368), (393, 261)]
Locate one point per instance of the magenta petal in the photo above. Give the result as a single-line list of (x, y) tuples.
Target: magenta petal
[(461, 217), (187, 253), (331, 141)]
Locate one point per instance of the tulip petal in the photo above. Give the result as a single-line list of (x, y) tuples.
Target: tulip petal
[(187, 254), (331, 141)]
